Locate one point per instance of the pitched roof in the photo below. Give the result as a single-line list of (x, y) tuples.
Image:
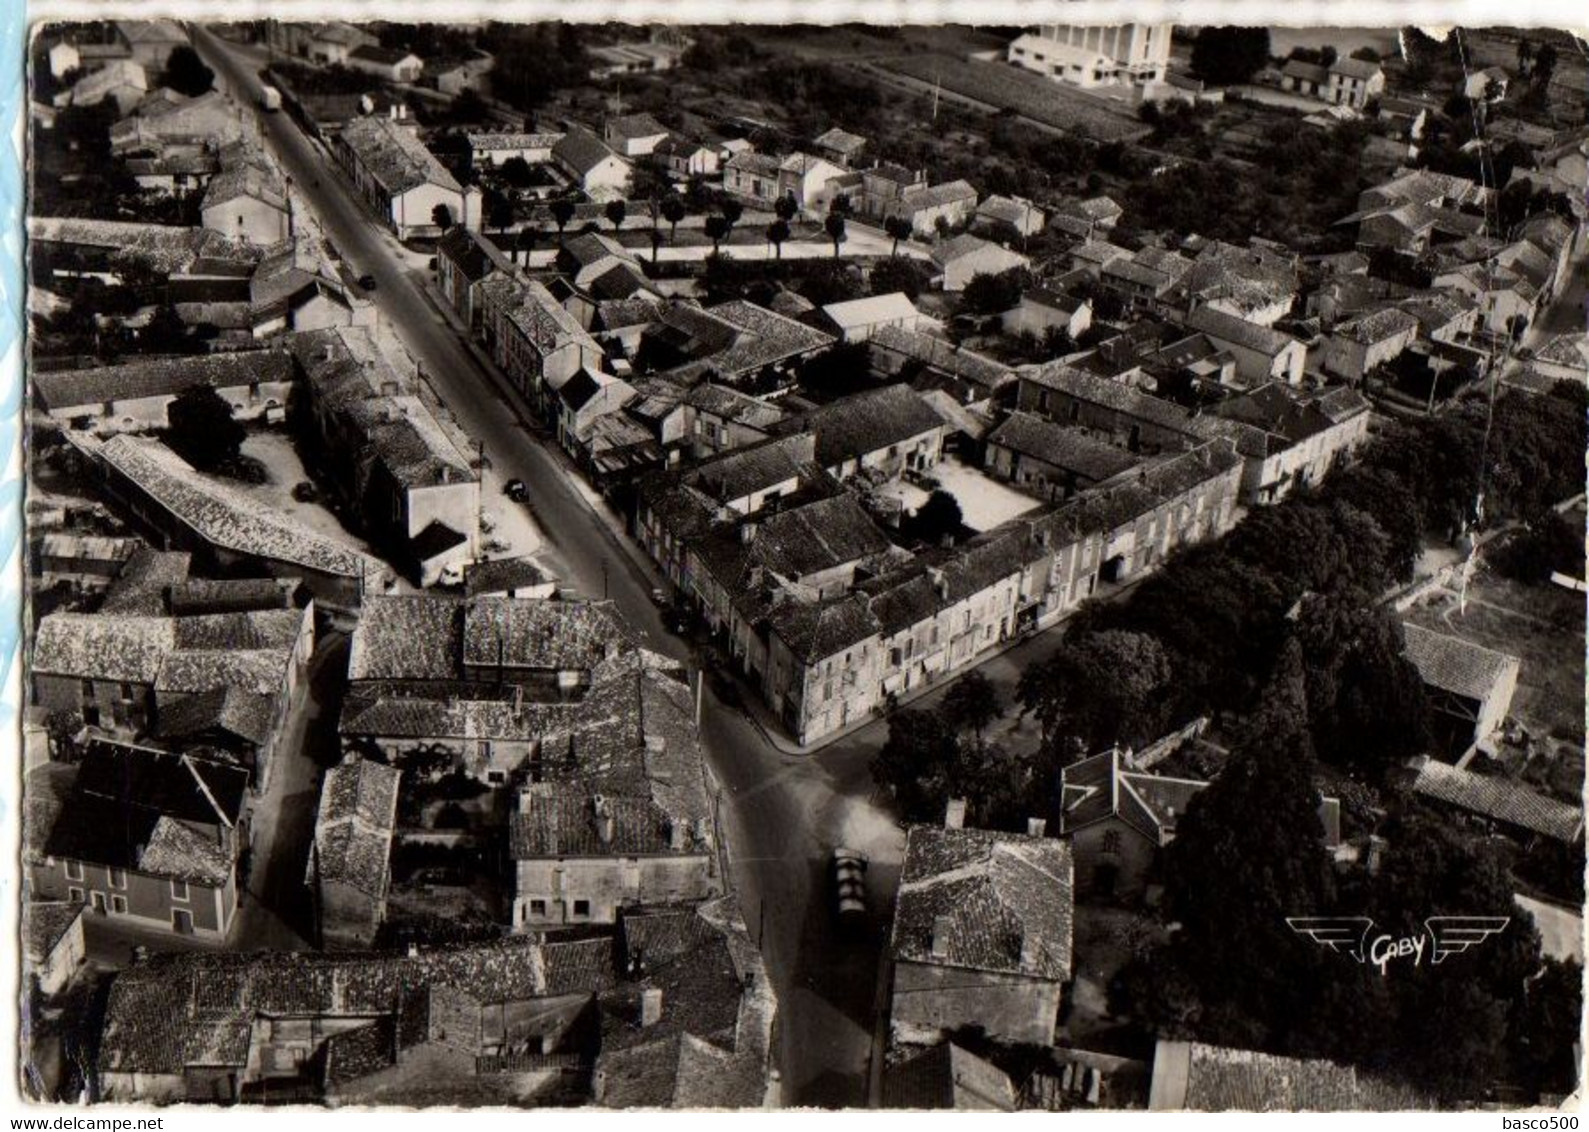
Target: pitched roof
[(45, 923), (936, 196), (1238, 331), (635, 126), (1505, 800), (185, 787), (582, 151), (859, 425), (1358, 68), (565, 820), (353, 827), (1378, 326), (65, 389), (393, 154), (1205, 1078), (1455, 665), (1308, 72), (966, 244), (840, 141), (484, 142), (892, 307), (385, 56), (995, 901), (1070, 449), (224, 516), (948, 1077)]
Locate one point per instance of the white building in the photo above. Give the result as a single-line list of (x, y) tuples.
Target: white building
[(1096, 55)]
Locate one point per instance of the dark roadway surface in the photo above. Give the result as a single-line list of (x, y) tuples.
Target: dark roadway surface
[(783, 814)]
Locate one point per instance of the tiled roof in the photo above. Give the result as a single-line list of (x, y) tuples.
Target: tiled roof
[(814, 631), (353, 828), (999, 902), (1455, 665), (394, 156), (375, 53), (407, 637), (756, 467), (1238, 331), (45, 923), (1207, 1078), (841, 141), (757, 164), (1379, 326), (1354, 68), (181, 786), (569, 820), (793, 544), (238, 711), (1070, 449), (499, 575), (1309, 72), (762, 338), (128, 649), (1011, 210), (859, 425), (484, 142), (948, 1077), (1505, 800), (145, 582), (224, 516), (541, 635), (966, 244), (1099, 252), (632, 126), (936, 196), (65, 389), (582, 151), (940, 355)]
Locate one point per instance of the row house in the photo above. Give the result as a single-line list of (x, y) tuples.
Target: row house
[(136, 396), (464, 260), (349, 869), (144, 838), (880, 434), (177, 678), (536, 341), (756, 176), (408, 468), (401, 179)]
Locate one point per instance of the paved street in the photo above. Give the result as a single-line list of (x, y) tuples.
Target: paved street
[(783, 813)]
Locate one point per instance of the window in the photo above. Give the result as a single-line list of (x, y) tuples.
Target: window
[(74, 870), (126, 692), (87, 690), (1111, 841), (118, 904), (582, 908), (118, 878), (179, 890), (75, 895), (537, 907)]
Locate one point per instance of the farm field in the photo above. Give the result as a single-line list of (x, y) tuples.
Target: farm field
[(1032, 97)]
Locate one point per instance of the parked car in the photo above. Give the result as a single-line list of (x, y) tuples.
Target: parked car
[(304, 492), (516, 490), (849, 884), (660, 595), (367, 282)]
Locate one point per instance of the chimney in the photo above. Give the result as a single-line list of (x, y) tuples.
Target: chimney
[(604, 819), (941, 927), (650, 1006), (954, 815), (939, 583), (678, 830), (1036, 827), (1028, 952), (747, 533)]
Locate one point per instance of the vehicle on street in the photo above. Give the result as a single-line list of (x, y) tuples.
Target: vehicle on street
[(269, 99), (367, 282), (516, 490), (848, 871), (660, 595), (304, 492)]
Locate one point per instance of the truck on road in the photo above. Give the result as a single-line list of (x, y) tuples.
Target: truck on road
[(270, 99)]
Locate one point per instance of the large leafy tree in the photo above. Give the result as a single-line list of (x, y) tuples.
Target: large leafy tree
[(202, 430), (187, 74), (1096, 689)]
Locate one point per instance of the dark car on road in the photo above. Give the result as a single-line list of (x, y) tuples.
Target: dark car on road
[(367, 282), (848, 871), (516, 491)]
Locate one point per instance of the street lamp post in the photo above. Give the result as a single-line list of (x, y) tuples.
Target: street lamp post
[(604, 578)]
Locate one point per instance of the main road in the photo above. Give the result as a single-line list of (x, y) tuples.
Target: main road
[(782, 813)]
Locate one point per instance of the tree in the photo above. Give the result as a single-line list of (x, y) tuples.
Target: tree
[(202, 430), (838, 371), (937, 518), (1097, 689), (516, 172), (897, 275), (971, 704), (1223, 56), (716, 230), (990, 294), (673, 210), (916, 763), (562, 212), (1247, 854), (732, 210), (186, 72), (786, 207), (525, 242), (500, 213), (1525, 55), (615, 212), (441, 217), (834, 226), (898, 228), (777, 233), (1544, 65)]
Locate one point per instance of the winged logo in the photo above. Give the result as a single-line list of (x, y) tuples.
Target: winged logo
[(1344, 935), (1452, 935)]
